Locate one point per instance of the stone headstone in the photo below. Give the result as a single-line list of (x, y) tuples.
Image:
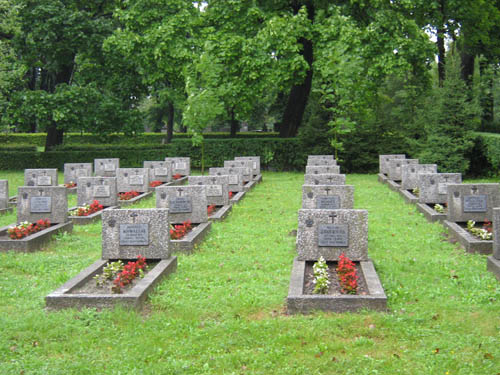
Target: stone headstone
[(217, 188), (433, 187), (319, 157), (472, 201), (246, 167), (4, 194), (183, 203), (396, 165), (328, 197), (329, 233), (496, 232), (235, 176), (318, 162), (106, 167), (102, 189), (42, 202), (40, 177), (410, 172), (73, 171), (323, 169), (159, 170), (128, 179), (324, 179), (255, 163), (128, 233), (383, 161), (181, 165)]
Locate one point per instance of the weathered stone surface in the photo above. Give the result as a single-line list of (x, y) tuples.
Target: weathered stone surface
[(255, 163), (34, 241), (102, 189), (244, 167), (395, 167), (326, 197), (235, 176), (181, 165), (159, 170), (324, 179), (470, 243), (323, 169), (319, 157), (383, 162), (73, 171), (42, 202), (40, 177), (347, 230), (433, 186), (429, 213), (187, 244), (472, 201), (106, 167), (313, 161), (128, 179), (410, 172), (217, 188), (127, 233), (184, 203), (4, 194), (496, 233)]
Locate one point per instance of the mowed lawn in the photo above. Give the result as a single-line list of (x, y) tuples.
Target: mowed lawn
[(224, 310)]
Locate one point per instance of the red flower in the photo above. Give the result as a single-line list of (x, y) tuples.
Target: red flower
[(155, 183), (176, 176)]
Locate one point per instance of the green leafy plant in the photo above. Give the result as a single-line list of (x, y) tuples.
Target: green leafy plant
[(416, 192), (109, 272), (484, 233), (439, 208)]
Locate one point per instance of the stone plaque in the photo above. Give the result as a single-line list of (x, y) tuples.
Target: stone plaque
[(101, 191), (134, 234), (44, 180), (214, 190), (161, 172), (442, 188), (136, 180), (328, 202), (180, 165), (179, 205), (475, 203), (81, 173), (40, 204), (334, 235), (109, 167), (233, 179)]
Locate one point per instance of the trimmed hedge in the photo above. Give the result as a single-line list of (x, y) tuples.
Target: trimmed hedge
[(17, 147)]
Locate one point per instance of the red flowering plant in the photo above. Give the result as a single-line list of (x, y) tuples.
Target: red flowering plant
[(87, 210), (347, 274), (129, 272), (70, 184), (128, 195), (155, 183), (231, 194), (211, 209), (180, 230), (24, 229), (176, 176)]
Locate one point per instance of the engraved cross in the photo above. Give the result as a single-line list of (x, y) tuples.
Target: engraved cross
[(332, 218), (474, 189), (327, 189), (133, 215), (180, 192)]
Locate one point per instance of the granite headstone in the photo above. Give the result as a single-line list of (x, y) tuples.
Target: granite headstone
[(217, 188), (472, 201), (410, 172), (327, 197), (323, 169), (246, 167), (181, 165), (106, 167), (433, 187), (255, 163), (4, 194), (128, 179), (383, 161), (159, 170), (183, 202), (40, 177), (324, 179), (235, 176), (102, 189), (42, 202), (395, 167), (73, 171)]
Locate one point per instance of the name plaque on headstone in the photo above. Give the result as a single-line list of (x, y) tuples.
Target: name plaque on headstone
[(475, 203), (102, 191), (81, 173), (44, 180), (233, 179), (336, 235), (134, 234), (254, 165), (180, 205), (442, 188), (40, 204), (180, 165), (109, 167), (136, 179), (214, 190), (328, 202), (160, 172)]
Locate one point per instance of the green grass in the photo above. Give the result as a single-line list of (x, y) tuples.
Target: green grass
[(223, 311)]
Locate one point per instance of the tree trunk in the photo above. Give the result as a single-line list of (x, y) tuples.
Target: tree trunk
[(487, 101), (235, 125), (467, 62), (32, 78), (170, 122), (441, 30)]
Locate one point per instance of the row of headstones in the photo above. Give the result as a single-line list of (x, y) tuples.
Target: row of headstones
[(461, 202)]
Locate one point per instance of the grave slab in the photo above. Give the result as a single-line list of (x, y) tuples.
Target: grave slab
[(382, 178), (328, 197), (178, 182), (324, 179), (393, 185), (106, 167), (221, 213), (32, 242), (408, 196), (236, 198)]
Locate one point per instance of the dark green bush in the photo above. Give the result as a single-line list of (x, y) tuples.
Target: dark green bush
[(17, 147)]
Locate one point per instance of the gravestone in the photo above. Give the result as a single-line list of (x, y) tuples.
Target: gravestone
[(181, 165), (106, 167), (235, 177), (183, 203), (323, 169), (410, 172), (127, 233), (321, 162), (327, 197), (255, 163), (216, 187), (395, 167), (42, 202), (4, 194), (329, 233), (102, 189), (493, 261), (244, 166), (324, 179), (319, 157), (472, 202), (73, 171), (433, 187), (128, 179), (159, 170), (40, 177), (383, 162)]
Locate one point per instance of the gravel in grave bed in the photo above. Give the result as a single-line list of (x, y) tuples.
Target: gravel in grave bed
[(90, 287), (334, 289)]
